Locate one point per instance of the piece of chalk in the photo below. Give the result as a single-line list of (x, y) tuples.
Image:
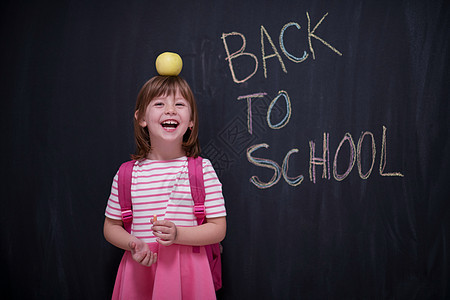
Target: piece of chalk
[(155, 218)]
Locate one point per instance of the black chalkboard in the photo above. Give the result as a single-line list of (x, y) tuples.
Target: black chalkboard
[(327, 122)]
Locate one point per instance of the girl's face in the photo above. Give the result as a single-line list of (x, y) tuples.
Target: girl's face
[(167, 118)]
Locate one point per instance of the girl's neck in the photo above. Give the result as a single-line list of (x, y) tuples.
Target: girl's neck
[(165, 153)]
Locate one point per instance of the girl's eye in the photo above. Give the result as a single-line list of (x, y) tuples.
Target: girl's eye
[(180, 104), (158, 104)]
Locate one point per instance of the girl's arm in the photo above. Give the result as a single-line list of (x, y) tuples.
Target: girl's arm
[(119, 237), (211, 232), (115, 234)]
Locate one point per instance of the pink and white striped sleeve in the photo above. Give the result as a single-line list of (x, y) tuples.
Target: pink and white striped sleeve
[(214, 201), (113, 210)]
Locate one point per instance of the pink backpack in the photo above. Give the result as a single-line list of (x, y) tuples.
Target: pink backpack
[(195, 169)]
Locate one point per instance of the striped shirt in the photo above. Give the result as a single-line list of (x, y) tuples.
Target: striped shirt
[(162, 188)]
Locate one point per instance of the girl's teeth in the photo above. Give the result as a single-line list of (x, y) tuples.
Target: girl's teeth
[(170, 124)]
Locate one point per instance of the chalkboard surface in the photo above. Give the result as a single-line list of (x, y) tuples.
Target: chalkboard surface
[(327, 123)]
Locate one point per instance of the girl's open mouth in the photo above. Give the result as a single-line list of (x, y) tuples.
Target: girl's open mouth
[(169, 124)]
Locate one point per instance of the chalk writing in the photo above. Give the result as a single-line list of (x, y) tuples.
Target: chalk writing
[(249, 108), (236, 54), (283, 48), (324, 161), (347, 137), (237, 137), (311, 34), (286, 118), (265, 36), (266, 163), (383, 157), (294, 181), (275, 54), (374, 151), (282, 123)]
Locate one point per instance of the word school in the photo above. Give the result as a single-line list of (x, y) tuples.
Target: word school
[(322, 161)]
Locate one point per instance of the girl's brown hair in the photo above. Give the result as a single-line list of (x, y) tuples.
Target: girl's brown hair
[(160, 86)]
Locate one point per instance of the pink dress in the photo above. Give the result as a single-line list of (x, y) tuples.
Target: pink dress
[(178, 274), (162, 188)]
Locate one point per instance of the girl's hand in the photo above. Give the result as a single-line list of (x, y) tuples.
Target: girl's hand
[(141, 253), (165, 231)]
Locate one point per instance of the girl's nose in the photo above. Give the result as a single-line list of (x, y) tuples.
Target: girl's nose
[(170, 109)]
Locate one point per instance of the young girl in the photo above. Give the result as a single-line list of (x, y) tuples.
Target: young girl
[(159, 262)]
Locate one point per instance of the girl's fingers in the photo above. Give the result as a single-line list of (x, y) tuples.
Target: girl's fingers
[(139, 258), (145, 260), (162, 225), (149, 259), (162, 229), (153, 259), (164, 242), (132, 245), (167, 237)]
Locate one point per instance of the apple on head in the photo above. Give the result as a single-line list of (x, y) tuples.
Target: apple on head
[(169, 64)]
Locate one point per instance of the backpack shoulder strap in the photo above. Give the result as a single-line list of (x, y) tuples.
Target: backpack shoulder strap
[(125, 173), (195, 169)]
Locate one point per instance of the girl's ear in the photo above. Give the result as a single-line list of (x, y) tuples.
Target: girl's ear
[(191, 124), (142, 122)]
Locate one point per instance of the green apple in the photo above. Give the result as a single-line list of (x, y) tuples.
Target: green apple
[(169, 64)]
